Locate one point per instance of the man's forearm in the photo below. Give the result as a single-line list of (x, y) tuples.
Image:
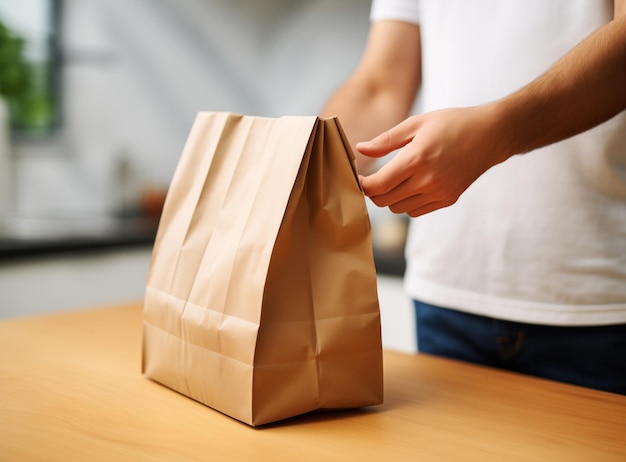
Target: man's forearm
[(583, 89), (363, 114), (380, 92)]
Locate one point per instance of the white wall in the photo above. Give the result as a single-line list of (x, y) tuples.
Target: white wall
[(137, 71)]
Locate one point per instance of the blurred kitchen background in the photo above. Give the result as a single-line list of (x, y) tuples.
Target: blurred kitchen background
[(96, 101)]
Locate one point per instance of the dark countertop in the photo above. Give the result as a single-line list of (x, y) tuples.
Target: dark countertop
[(28, 237), (22, 237)]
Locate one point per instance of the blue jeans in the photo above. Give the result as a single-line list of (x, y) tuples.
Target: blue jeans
[(593, 356)]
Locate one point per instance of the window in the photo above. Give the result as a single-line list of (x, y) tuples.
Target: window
[(30, 29)]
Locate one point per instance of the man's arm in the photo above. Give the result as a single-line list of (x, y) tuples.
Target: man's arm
[(583, 89), (445, 151), (380, 92)]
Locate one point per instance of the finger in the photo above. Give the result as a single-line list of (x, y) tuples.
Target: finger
[(414, 202), (389, 141), (414, 205), (404, 190), (390, 175), (427, 208), (417, 204)]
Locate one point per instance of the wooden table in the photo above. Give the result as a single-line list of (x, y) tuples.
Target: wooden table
[(71, 390)]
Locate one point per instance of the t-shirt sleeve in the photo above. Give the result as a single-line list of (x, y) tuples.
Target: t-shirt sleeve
[(400, 10)]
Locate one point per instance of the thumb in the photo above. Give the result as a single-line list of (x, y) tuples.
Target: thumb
[(389, 141)]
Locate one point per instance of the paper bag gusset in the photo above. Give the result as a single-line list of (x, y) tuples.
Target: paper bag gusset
[(261, 299)]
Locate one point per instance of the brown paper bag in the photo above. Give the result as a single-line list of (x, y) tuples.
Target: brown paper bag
[(261, 298)]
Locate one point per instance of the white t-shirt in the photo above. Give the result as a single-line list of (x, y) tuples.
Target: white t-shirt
[(540, 238)]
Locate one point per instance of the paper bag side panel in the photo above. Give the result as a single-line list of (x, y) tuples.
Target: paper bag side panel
[(346, 307), (320, 304), (346, 146)]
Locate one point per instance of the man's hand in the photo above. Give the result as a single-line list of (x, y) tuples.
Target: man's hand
[(441, 154)]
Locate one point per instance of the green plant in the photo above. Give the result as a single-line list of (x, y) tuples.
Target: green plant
[(15, 74)]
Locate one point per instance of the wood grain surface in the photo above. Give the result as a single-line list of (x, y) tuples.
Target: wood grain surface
[(71, 390)]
